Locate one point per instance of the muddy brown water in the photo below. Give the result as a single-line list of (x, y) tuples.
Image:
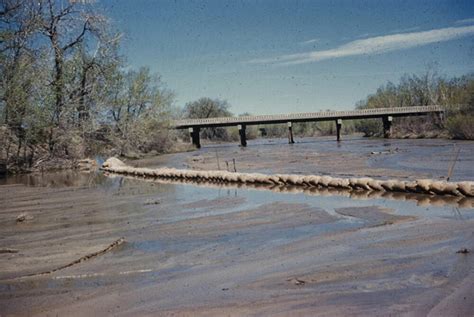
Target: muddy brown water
[(208, 249)]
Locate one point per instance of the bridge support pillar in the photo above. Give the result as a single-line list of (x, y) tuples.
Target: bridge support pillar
[(243, 137), (387, 126), (194, 132), (290, 133), (440, 119), (338, 129)]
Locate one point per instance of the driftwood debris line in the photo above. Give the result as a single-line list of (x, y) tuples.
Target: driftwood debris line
[(114, 244), (421, 186)]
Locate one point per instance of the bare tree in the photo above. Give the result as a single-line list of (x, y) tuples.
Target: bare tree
[(209, 108), (68, 25), (18, 24)]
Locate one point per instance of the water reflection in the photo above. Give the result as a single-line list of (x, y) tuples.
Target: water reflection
[(419, 199), (57, 179), (120, 185), (117, 185)]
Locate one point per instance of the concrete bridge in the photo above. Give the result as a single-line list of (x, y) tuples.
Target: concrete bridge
[(386, 114)]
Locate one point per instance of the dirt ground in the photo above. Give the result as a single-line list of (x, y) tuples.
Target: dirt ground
[(210, 251)]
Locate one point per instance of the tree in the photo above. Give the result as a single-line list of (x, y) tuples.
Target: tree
[(64, 92), (456, 94), (209, 108), (140, 110), (18, 24), (68, 25)]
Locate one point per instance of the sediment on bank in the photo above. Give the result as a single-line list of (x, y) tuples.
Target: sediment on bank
[(423, 186)]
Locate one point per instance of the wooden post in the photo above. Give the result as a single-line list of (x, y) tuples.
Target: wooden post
[(290, 133), (243, 138), (194, 132), (338, 129), (387, 126)]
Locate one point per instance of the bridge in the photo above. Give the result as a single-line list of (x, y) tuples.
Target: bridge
[(386, 114)]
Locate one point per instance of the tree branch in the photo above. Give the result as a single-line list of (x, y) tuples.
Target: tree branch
[(79, 37)]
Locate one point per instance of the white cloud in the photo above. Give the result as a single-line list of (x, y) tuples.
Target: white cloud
[(373, 45), (465, 21), (405, 30), (312, 41)]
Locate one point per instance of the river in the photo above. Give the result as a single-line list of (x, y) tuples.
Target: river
[(207, 249)]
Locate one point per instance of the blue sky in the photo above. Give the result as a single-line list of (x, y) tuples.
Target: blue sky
[(268, 57)]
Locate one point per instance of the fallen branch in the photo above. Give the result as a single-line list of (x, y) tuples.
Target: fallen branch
[(82, 259), (8, 250)]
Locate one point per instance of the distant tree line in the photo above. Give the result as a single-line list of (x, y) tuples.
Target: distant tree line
[(455, 94), (213, 108)]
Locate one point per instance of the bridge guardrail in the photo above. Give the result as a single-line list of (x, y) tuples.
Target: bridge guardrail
[(307, 115)]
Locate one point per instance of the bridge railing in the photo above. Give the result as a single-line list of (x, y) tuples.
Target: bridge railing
[(307, 115)]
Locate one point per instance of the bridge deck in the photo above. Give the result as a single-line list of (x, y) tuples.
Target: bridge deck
[(308, 116)]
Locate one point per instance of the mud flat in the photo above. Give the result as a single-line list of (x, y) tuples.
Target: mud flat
[(353, 157), (197, 249)]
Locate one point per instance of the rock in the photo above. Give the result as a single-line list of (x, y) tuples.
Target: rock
[(152, 202), (296, 281), (197, 159), (113, 162), (24, 217)]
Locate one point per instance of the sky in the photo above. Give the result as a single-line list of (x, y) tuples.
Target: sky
[(285, 56)]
